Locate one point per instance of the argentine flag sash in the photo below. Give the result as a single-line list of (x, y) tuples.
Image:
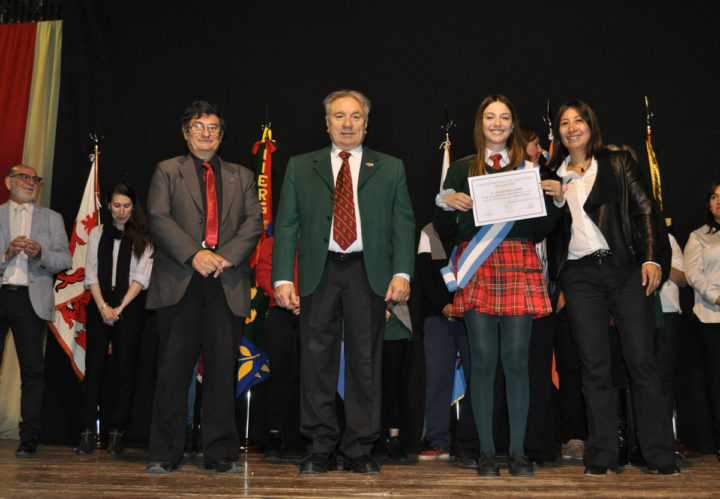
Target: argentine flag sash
[(478, 249)]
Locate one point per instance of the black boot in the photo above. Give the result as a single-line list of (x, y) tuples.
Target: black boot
[(87, 443), (273, 448), (197, 440), (187, 452), (395, 450), (116, 442)]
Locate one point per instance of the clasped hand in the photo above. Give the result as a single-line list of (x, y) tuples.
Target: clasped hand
[(110, 315), (22, 244), (206, 262)]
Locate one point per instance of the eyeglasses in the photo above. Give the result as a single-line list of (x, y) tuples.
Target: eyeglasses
[(212, 128), (26, 177)]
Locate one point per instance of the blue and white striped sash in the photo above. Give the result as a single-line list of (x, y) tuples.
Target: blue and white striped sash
[(477, 251)]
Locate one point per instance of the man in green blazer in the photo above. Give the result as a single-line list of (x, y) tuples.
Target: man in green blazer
[(345, 210)]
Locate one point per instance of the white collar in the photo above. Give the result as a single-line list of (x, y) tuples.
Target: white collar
[(505, 160), (28, 206), (563, 170), (356, 153)]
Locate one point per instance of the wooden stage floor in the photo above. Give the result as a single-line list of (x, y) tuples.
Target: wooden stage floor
[(59, 472)]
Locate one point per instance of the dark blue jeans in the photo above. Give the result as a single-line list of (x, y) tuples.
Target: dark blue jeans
[(443, 339)]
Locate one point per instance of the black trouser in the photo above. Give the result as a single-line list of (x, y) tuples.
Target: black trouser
[(709, 336), (17, 312), (572, 406), (540, 431), (282, 331), (201, 322), (393, 381), (593, 290), (343, 300), (125, 339), (665, 355)]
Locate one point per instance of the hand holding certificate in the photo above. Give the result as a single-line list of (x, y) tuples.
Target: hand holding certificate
[(507, 196)]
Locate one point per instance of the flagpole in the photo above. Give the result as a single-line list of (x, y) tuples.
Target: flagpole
[(548, 121), (447, 125)]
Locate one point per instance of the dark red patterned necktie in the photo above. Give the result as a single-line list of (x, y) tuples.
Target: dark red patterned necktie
[(344, 230), (211, 212), (495, 158)]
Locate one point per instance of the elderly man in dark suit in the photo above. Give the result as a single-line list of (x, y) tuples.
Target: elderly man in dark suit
[(35, 247), (346, 211), (205, 221)]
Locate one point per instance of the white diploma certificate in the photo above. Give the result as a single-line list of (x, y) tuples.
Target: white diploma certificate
[(507, 196)]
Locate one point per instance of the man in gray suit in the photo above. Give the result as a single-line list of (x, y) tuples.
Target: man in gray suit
[(35, 247), (205, 220)]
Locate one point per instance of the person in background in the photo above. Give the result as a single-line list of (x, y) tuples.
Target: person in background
[(35, 247), (398, 334), (282, 331), (669, 331), (702, 269), (533, 150), (507, 290), (117, 269), (444, 338), (540, 432)]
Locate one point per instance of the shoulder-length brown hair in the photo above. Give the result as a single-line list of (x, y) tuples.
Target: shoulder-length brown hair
[(515, 144), (595, 144)]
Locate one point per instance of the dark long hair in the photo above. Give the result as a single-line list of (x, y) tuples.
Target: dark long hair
[(515, 143), (713, 225), (136, 228), (595, 144)]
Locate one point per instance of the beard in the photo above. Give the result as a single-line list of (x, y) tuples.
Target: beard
[(23, 194)]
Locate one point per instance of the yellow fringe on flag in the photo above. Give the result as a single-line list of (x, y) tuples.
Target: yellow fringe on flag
[(654, 173)]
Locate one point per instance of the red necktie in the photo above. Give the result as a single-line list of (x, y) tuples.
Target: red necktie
[(211, 212), (344, 230), (495, 158)]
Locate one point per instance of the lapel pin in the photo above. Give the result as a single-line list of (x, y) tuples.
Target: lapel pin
[(369, 164)]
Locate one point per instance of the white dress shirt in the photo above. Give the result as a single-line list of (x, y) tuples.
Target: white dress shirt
[(670, 293), (585, 237), (702, 269), (16, 271), (140, 268), (354, 162)]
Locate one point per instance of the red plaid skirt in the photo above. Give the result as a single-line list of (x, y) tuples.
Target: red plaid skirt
[(509, 282)]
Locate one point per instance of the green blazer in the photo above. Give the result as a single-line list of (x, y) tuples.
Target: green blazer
[(305, 213)]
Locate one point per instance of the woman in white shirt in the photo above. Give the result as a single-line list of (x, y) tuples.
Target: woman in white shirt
[(117, 270), (609, 263), (702, 268)]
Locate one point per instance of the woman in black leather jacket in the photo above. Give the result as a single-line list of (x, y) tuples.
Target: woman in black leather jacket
[(610, 259)]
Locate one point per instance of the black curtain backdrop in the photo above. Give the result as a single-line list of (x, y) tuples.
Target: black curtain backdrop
[(129, 69)]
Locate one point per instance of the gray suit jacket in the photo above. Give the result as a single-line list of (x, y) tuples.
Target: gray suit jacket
[(47, 229), (177, 214)]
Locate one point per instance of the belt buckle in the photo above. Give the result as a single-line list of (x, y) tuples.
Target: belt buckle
[(602, 254), (207, 246)]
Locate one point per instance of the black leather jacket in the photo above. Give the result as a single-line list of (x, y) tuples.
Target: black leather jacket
[(620, 205)]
